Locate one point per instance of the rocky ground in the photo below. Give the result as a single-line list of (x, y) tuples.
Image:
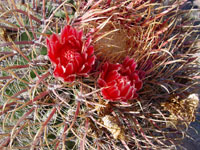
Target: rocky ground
[(193, 142)]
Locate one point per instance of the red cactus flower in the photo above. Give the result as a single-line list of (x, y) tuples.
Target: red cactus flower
[(120, 82), (70, 55)]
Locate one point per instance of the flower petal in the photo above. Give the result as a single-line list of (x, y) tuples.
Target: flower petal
[(114, 94), (65, 33), (69, 78), (58, 72), (130, 93), (80, 34), (91, 60), (101, 82), (114, 75), (138, 85), (86, 69), (69, 69), (125, 90), (111, 93), (90, 51)]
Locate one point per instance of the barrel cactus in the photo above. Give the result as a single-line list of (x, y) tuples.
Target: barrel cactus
[(101, 74)]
